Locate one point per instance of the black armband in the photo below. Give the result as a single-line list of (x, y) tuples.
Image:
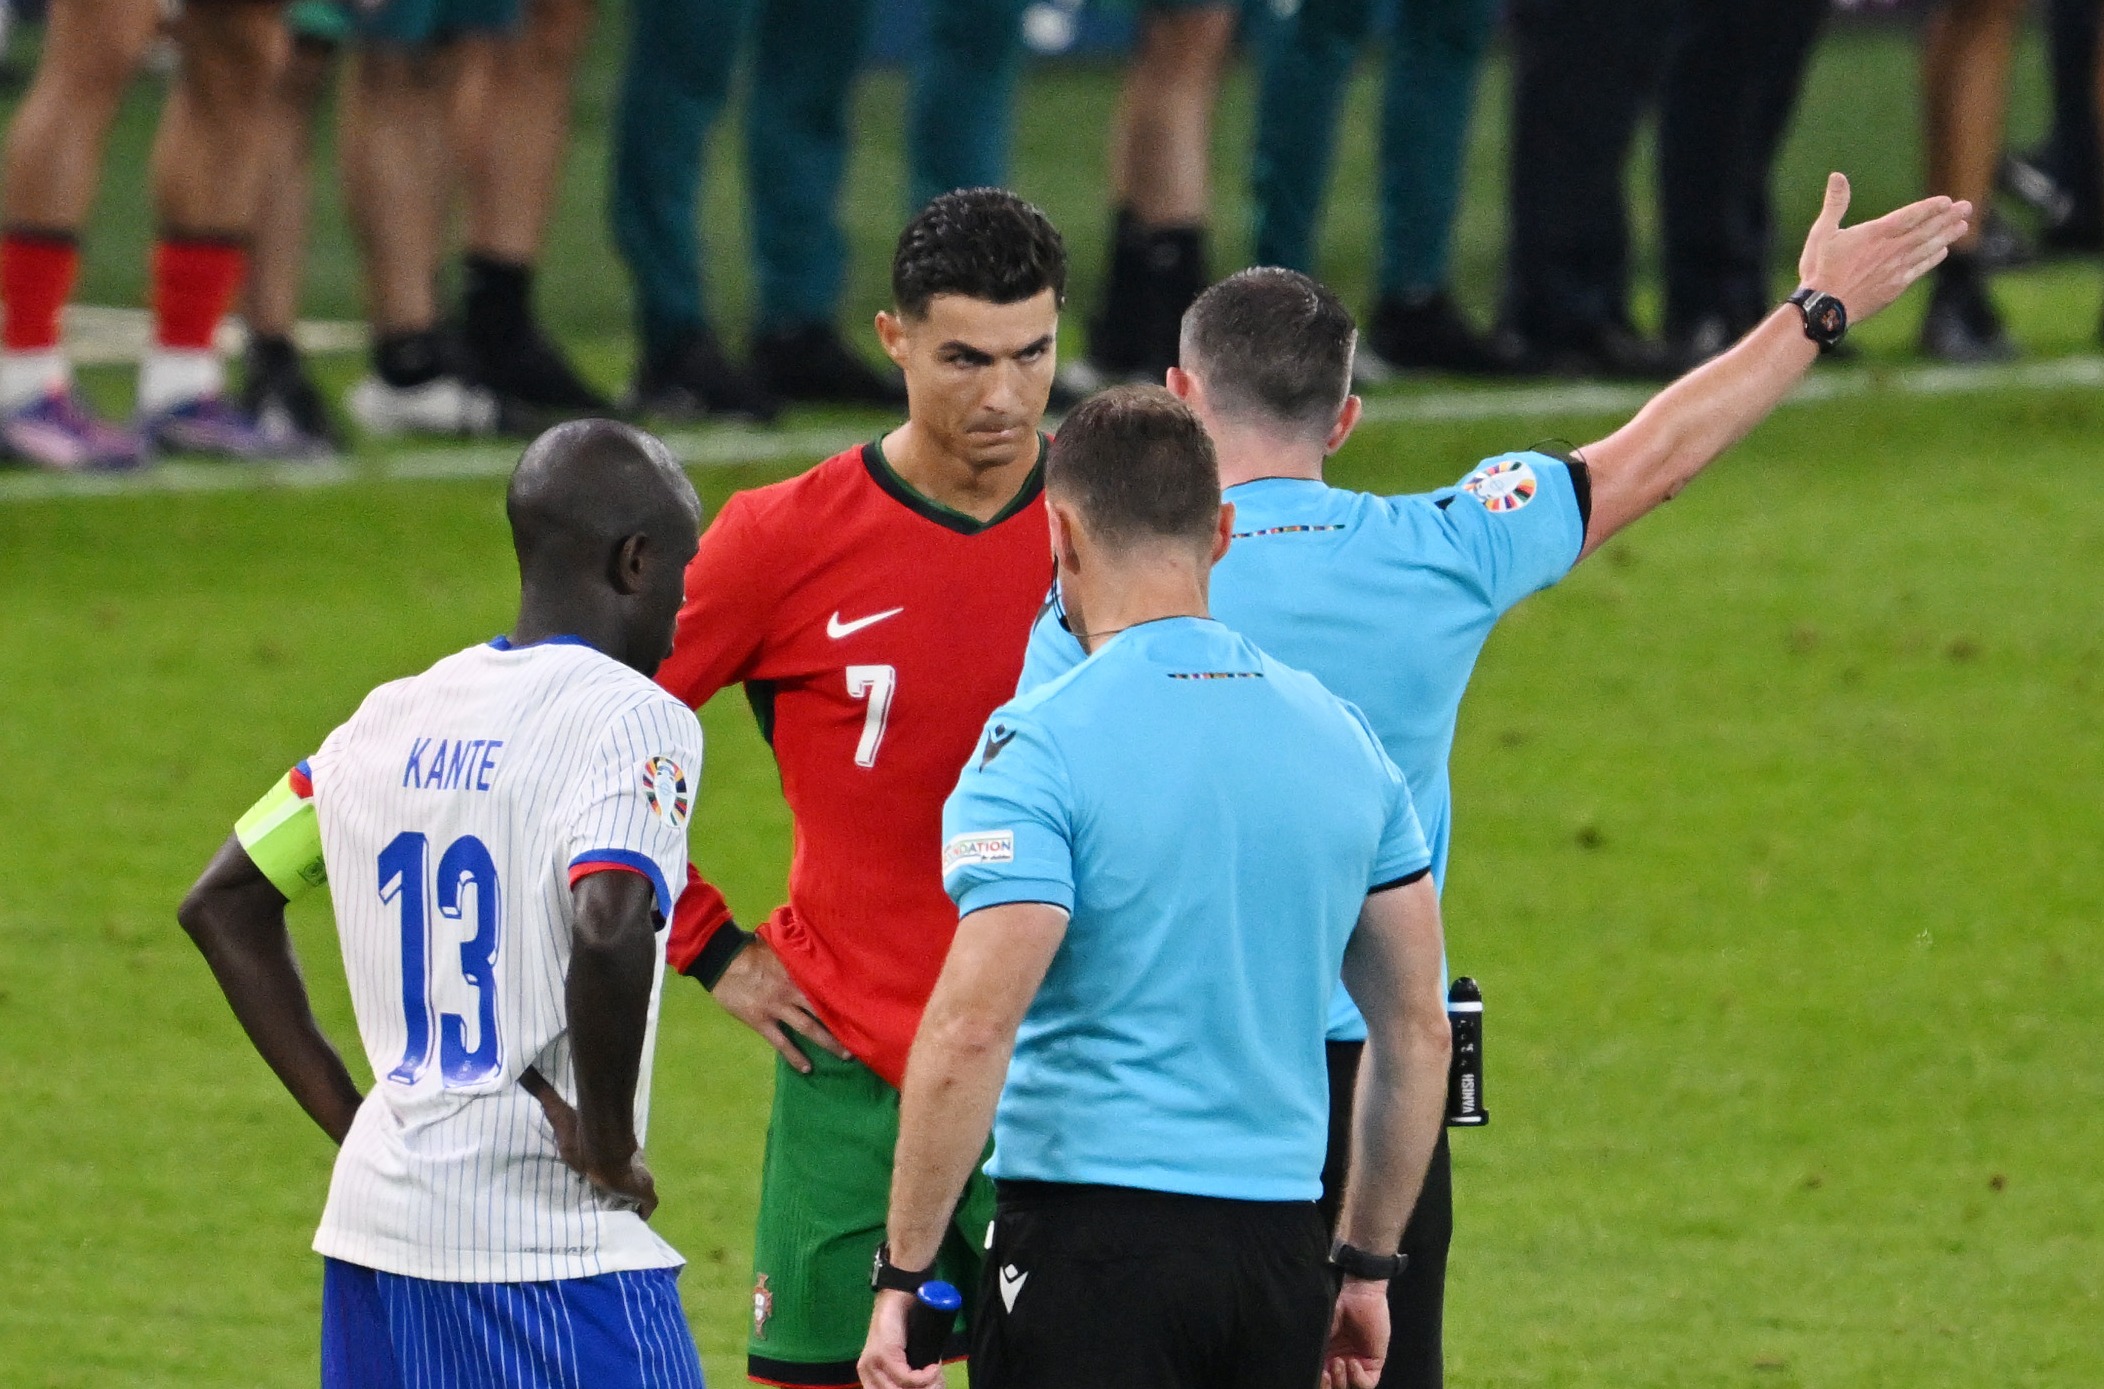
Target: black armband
[(716, 956)]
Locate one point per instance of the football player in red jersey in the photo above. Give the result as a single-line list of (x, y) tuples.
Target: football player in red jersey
[(875, 609)]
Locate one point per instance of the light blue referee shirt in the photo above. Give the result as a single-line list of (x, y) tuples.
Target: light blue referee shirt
[(1212, 821), (1387, 600)]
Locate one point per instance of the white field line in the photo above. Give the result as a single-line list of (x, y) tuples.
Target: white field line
[(730, 445)]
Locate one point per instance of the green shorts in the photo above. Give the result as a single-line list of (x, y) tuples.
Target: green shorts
[(319, 21), (413, 23), (825, 1189)]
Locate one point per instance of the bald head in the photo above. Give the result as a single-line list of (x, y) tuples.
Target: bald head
[(604, 522)]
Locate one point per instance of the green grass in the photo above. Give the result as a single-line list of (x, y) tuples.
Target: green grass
[(1778, 852)]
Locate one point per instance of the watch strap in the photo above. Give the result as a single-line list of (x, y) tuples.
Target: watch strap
[(1354, 1262), (885, 1276)]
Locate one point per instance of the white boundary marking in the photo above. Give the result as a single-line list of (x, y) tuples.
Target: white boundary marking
[(732, 445)]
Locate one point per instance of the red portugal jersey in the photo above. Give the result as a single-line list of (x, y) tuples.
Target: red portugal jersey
[(875, 631)]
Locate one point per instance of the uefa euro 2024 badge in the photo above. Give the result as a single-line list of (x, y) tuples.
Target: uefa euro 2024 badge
[(665, 787), (1506, 485), (762, 1308)]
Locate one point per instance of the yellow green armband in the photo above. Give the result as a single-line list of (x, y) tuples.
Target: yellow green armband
[(282, 834)]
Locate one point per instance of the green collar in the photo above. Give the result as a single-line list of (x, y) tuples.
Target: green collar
[(906, 494)]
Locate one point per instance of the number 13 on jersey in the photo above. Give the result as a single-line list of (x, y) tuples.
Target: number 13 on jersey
[(465, 864), (876, 684)]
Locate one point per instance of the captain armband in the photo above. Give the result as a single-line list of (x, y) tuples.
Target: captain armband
[(282, 834)]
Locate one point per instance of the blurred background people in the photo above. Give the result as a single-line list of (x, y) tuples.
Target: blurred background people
[(1434, 55), (204, 178), (447, 94), (806, 57), (1730, 88), (2062, 180), (1965, 95), (1161, 145), (276, 388)]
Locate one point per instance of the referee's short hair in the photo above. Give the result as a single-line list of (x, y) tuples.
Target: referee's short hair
[(982, 243), (1273, 347), (1140, 467)]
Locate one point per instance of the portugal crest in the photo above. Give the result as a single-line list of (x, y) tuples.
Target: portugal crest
[(762, 1308), (1506, 485)]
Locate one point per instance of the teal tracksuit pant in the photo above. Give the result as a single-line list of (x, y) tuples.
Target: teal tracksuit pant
[(1435, 54), (805, 57)]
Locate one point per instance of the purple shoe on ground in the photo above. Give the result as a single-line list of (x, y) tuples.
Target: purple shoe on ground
[(59, 433), (218, 428)]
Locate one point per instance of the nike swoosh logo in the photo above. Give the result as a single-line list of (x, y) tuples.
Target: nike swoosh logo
[(1011, 1285), (836, 629)]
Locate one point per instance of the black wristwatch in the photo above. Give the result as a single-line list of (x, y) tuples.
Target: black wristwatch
[(886, 1276), (1354, 1262), (1825, 318)]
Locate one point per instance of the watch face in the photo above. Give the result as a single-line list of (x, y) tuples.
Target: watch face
[(1826, 316)]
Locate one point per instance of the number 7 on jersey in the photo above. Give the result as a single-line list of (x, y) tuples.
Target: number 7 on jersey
[(876, 685)]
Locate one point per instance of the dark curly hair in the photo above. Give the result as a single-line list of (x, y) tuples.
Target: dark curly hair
[(982, 243)]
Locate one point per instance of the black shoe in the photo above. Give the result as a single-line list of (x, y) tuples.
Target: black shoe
[(1432, 334), (1961, 325), (528, 374), (1690, 345), (692, 380), (1606, 349), (811, 363), (2070, 222), (279, 395)]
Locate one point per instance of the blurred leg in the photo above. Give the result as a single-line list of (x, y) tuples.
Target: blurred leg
[(1162, 145), (1307, 70), (278, 254), (54, 144), (397, 169), (1965, 84), (1160, 168), (960, 122), (806, 57), (1567, 251), (512, 162), (1434, 60), (674, 81), (53, 163), (1729, 93)]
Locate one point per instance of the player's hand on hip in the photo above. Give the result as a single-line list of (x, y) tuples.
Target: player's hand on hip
[(1358, 1336), (883, 1363), (1869, 265), (757, 991), (627, 1177)]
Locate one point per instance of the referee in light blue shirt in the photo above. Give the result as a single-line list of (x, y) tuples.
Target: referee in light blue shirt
[(1389, 599), (1162, 861)]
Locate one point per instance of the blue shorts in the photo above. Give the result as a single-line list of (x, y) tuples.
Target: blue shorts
[(616, 1331)]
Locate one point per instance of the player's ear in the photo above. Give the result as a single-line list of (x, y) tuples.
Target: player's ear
[(891, 334), (630, 558), (1060, 518), (1348, 417), (1180, 383), (1224, 532)]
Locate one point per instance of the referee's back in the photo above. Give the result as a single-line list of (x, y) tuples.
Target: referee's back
[(1213, 822)]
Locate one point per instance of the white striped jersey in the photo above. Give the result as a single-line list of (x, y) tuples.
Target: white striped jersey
[(456, 808)]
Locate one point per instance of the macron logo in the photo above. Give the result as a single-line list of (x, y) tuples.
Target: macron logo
[(1011, 1285), (836, 629)]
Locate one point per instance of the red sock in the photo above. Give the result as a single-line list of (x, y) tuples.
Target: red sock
[(36, 279), (194, 283)]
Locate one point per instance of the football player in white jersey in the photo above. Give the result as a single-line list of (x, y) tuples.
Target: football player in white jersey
[(503, 836)]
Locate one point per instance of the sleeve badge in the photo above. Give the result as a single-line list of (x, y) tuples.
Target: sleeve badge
[(1506, 485), (665, 787)]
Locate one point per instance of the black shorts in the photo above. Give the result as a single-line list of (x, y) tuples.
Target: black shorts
[(1114, 1288), (1416, 1299)]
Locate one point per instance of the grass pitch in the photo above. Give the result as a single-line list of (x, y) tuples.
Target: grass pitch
[(1779, 856)]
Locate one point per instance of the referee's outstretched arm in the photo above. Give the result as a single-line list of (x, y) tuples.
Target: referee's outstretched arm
[(1686, 426), (1392, 969)]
